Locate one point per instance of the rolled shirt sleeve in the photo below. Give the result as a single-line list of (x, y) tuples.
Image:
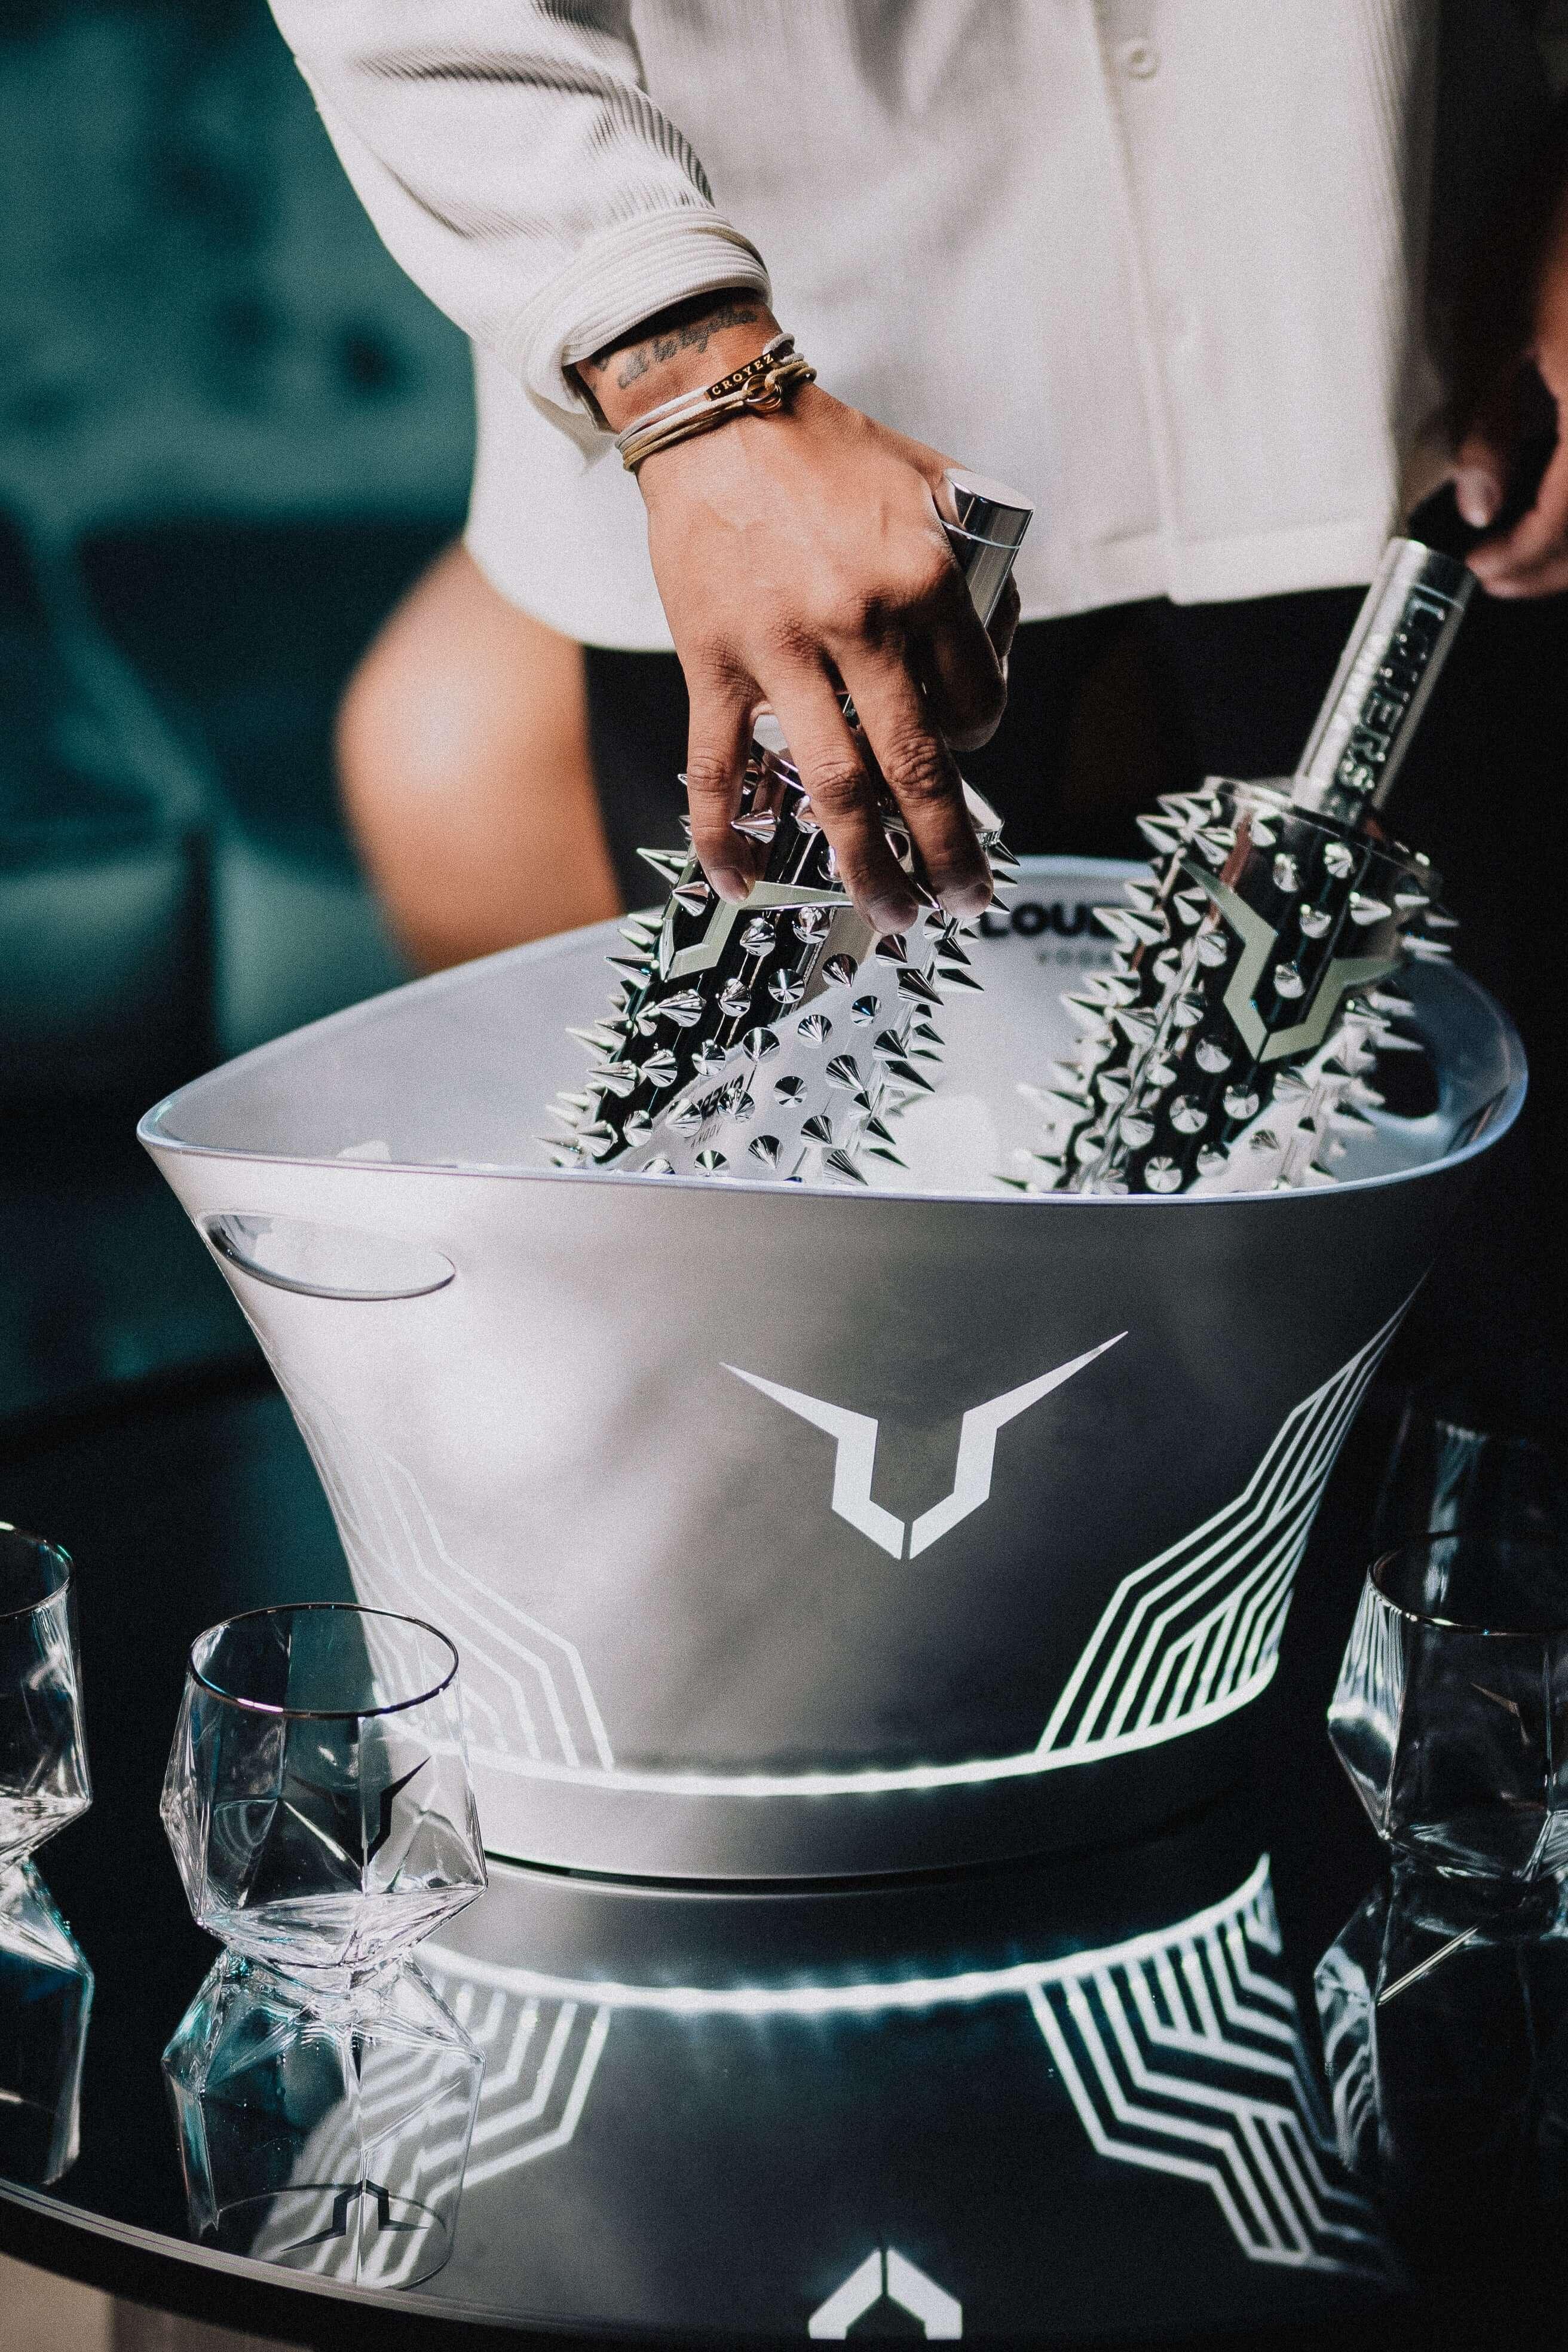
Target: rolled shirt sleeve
[(516, 167)]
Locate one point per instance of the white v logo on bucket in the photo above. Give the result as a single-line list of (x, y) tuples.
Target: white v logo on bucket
[(855, 1461)]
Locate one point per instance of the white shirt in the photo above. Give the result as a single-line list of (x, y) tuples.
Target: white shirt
[(1157, 263)]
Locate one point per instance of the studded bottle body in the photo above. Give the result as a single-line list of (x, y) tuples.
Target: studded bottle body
[(1233, 1041), (782, 1037)]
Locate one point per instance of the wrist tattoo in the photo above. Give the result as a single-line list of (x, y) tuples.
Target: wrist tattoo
[(686, 327)]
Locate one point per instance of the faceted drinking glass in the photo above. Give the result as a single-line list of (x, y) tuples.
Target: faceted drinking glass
[(318, 1798), (42, 1751), (1450, 1715)]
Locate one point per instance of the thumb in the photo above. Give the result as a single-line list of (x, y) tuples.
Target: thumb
[(1479, 474)]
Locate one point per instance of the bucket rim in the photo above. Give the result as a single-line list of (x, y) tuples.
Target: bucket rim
[(155, 1137)]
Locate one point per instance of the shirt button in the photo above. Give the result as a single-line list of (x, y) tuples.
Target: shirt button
[(1139, 59)]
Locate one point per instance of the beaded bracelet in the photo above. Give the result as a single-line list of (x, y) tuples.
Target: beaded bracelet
[(760, 388)]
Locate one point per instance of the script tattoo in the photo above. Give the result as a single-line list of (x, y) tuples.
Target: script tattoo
[(672, 333)]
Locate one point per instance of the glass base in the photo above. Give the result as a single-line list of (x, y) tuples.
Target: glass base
[(328, 2132), (46, 2001)]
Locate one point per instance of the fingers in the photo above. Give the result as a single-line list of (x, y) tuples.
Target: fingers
[(964, 683), (1480, 471), (1532, 559), (921, 773), (1002, 625), (719, 741), (833, 767)]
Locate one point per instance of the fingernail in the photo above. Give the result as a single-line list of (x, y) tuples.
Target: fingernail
[(730, 883), (1476, 496), (968, 897), (891, 915)]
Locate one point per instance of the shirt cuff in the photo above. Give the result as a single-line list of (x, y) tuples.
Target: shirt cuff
[(619, 277)]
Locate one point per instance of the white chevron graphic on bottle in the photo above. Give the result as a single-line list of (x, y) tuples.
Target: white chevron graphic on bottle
[(855, 1436)]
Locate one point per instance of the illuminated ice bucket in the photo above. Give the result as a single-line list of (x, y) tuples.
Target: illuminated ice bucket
[(787, 1531)]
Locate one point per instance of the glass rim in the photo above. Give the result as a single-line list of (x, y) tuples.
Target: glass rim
[(320, 1714), (1526, 1543), (55, 1552)]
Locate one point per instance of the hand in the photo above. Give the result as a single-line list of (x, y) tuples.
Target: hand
[(800, 557), (1527, 402)]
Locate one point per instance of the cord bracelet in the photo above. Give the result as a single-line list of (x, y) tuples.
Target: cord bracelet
[(761, 388)]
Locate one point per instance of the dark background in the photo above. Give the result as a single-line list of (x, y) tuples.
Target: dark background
[(231, 432)]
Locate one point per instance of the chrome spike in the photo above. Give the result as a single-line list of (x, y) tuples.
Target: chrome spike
[(912, 984)]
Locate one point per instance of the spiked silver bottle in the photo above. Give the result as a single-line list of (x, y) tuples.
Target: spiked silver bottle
[(781, 1037), (1233, 1043)]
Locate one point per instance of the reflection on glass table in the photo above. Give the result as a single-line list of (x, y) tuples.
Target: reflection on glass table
[(319, 1809), (1443, 2004), (891, 2109), (46, 1984), (45, 1999), (328, 2134), (1452, 1703)]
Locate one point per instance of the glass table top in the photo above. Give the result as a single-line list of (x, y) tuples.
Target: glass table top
[(1078, 2099)]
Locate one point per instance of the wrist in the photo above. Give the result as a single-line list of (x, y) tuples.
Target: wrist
[(679, 350)]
